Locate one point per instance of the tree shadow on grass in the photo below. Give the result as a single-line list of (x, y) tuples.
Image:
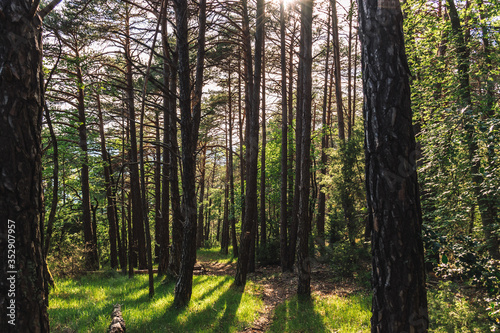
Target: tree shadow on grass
[(215, 307), (217, 315), (297, 316)]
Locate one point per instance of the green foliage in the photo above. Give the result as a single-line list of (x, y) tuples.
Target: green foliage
[(451, 311), (462, 258), (85, 305), (350, 262), (344, 186), (330, 314)]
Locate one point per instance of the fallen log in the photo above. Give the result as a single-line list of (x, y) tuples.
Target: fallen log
[(117, 323)]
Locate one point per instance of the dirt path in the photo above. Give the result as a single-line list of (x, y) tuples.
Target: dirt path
[(277, 287)]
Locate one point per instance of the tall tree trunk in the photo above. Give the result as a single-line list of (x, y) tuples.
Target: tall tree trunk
[(92, 259), (241, 120), (320, 224), (292, 190), (224, 242), (304, 112), (158, 191), (190, 122), (163, 238), (110, 209), (55, 185), (232, 216), (398, 277), (263, 231), (139, 241), (199, 233), (251, 138), (174, 263), (284, 148), (21, 108)]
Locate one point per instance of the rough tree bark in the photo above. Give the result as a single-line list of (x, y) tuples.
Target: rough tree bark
[(92, 258), (304, 111), (398, 278), (139, 241), (251, 138), (110, 209), (284, 147), (190, 122), (22, 285)]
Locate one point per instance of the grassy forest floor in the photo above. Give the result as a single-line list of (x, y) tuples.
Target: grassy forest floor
[(269, 303)]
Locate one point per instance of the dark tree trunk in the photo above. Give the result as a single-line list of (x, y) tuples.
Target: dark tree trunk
[(139, 241), (158, 191), (110, 209), (398, 277), (320, 223), (174, 263), (251, 138), (232, 217), (303, 181), (55, 185), (199, 233), (190, 122), (224, 242), (163, 236), (92, 259), (292, 189), (22, 285), (241, 119), (263, 231), (284, 148)]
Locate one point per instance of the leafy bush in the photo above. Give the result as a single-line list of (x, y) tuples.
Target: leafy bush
[(452, 312), (350, 261)]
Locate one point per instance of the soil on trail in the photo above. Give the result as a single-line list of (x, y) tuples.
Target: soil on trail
[(277, 287)]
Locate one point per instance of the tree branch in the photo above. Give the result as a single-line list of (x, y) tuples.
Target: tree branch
[(47, 9)]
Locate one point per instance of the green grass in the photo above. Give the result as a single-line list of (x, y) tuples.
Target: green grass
[(214, 254), (328, 314), (85, 305)]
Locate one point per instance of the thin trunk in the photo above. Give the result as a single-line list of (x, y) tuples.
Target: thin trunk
[(224, 243), (92, 258), (292, 197), (304, 112), (55, 185), (337, 71), (232, 216), (263, 239), (251, 138), (199, 233), (284, 148), (174, 263), (139, 243), (320, 224), (110, 209)]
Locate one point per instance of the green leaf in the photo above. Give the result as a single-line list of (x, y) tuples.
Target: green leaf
[(444, 259)]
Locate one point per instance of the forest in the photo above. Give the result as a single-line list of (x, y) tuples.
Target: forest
[(250, 166)]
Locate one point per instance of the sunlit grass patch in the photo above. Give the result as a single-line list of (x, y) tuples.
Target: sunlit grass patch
[(85, 305), (327, 314), (215, 254)]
